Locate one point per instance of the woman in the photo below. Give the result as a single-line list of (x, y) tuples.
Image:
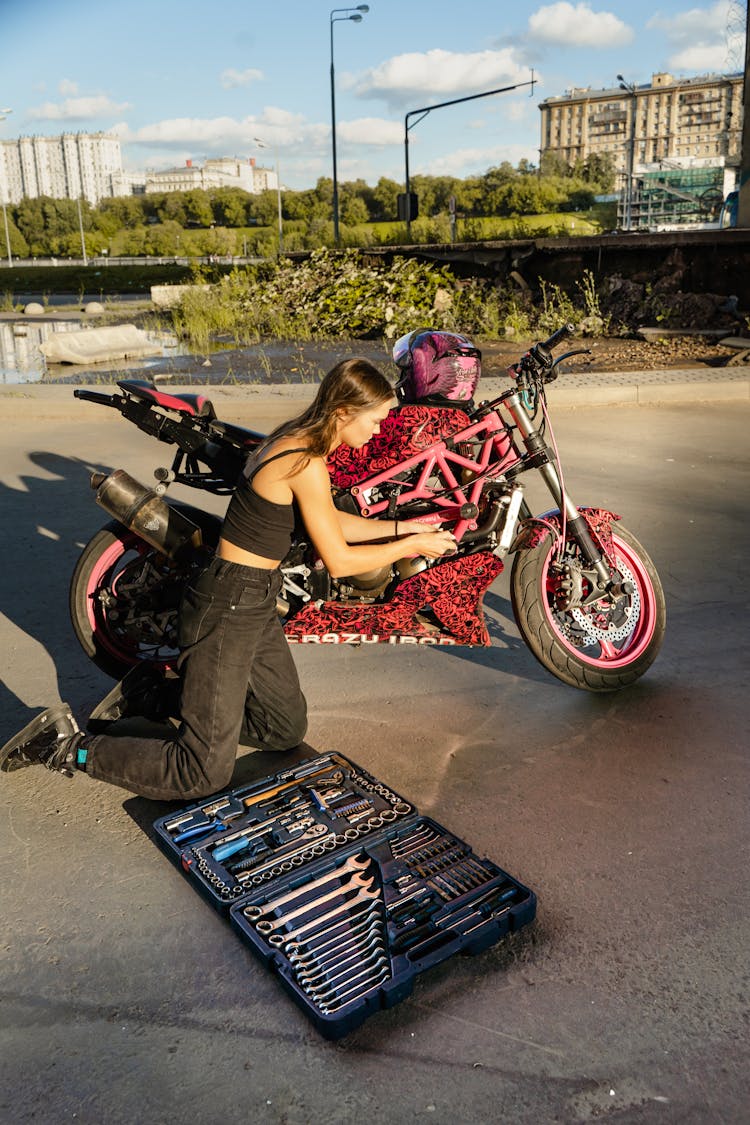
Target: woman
[(238, 679)]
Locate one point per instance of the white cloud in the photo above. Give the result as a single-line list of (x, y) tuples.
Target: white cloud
[(77, 109), (278, 128), (700, 59), (68, 88), (703, 39), (577, 25), (223, 135), (696, 23), (370, 131), (420, 77), (233, 78)]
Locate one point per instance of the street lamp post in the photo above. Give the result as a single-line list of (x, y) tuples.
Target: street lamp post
[(262, 144), (338, 15), (628, 208), (420, 115), (3, 114), (83, 239), (7, 234)]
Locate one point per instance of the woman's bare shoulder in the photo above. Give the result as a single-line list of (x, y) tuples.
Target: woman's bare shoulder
[(278, 454)]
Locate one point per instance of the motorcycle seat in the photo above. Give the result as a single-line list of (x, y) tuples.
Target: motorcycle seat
[(193, 404)]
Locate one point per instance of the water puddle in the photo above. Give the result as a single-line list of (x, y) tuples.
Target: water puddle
[(21, 360), (268, 363)]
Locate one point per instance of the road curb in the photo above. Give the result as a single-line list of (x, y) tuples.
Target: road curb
[(240, 401)]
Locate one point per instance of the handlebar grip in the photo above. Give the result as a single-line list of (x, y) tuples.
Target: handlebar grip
[(560, 334), (95, 396)]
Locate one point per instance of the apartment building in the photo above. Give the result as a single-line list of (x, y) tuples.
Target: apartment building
[(682, 120), (222, 172), (70, 166)]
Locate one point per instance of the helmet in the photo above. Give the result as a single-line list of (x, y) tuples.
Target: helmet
[(440, 368)]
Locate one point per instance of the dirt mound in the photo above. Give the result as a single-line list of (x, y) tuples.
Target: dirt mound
[(621, 354)]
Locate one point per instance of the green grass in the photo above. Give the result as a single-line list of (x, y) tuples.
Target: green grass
[(553, 224)]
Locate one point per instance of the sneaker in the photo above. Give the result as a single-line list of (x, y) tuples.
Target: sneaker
[(143, 691), (45, 740)]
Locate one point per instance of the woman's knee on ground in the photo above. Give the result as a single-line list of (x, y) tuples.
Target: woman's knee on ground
[(288, 730), (199, 776), (212, 781)]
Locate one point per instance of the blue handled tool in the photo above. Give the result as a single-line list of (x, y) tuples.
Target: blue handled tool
[(230, 848), (199, 830)]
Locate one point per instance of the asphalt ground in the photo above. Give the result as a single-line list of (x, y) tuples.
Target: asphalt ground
[(125, 997)]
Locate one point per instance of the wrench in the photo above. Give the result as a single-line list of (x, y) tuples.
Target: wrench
[(355, 993), (375, 963), (266, 926), (414, 841), (356, 948), (334, 963), (344, 909), (340, 930), (272, 904), (313, 959)]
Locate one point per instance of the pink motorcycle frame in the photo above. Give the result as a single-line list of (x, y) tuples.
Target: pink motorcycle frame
[(454, 588), (440, 460)]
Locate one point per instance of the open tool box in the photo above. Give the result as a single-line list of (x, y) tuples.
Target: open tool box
[(340, 886)]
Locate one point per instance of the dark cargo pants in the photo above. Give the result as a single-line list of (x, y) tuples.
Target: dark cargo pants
[(238, 683)]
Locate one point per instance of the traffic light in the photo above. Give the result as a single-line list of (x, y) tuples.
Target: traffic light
[(408, 206)]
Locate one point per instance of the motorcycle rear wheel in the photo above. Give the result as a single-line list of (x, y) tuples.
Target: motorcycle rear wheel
[(582, 646), (123, 601)]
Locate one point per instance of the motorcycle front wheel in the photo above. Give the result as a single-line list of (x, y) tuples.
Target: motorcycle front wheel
[(597, 646), (123, 603)]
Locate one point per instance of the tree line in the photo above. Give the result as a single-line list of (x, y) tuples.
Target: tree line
[(231, 221)]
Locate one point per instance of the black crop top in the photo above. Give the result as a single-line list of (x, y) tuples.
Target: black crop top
[(255, 524)]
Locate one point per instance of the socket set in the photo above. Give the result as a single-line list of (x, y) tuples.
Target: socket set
[(340, 887)]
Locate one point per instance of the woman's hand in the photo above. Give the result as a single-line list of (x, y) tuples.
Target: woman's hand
[(433, 543)]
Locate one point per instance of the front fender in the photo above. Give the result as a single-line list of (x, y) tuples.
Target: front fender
[(534, 529)]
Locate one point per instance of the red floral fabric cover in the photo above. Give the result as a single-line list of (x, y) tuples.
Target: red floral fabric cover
[(406, 430)]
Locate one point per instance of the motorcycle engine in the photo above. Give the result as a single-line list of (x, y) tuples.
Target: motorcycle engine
[(366, 586)]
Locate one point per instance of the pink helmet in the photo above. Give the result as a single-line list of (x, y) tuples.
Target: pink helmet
[(441, 368)]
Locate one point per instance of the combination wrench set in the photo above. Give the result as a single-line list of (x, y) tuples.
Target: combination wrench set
[(340, 886)]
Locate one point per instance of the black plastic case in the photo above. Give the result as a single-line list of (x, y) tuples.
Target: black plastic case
[(340, 886)]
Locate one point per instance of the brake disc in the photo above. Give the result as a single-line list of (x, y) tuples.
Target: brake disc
[(589, 627)]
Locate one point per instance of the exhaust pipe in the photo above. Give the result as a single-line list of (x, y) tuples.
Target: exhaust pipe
[(143, 511)]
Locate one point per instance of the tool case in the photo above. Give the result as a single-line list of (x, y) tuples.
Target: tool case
[(340, 886)]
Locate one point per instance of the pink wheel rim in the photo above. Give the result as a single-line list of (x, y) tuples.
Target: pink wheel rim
[(638, 640), (105, 563)]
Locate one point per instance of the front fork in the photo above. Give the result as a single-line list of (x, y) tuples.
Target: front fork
[(542, 458)]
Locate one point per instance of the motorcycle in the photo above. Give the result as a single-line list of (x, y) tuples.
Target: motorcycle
[(585, 595)]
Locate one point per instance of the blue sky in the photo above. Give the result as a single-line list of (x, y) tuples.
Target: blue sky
[(181, 79)]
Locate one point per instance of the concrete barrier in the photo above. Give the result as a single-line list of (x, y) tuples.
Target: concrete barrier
[(98, 345), (167, 296)]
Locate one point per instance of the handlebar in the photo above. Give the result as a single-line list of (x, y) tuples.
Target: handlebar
[(556, 337), (533, 369), (95, 396)]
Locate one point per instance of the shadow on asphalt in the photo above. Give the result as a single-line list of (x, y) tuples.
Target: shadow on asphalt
[(46, 520)]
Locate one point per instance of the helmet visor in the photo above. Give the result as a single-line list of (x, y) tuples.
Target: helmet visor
[(401, 349)]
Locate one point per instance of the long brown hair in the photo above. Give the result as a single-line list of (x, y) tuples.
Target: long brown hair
[(355, 385)]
